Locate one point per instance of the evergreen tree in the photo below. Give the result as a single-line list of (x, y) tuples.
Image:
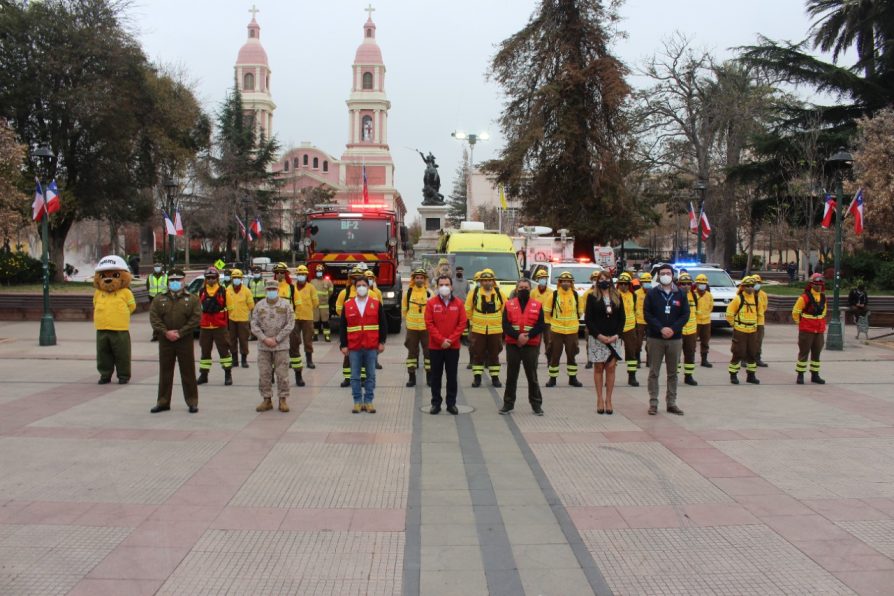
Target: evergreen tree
[(457, 200)]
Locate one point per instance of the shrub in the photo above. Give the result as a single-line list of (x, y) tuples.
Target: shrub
[(21, 268), (739, 261), (884, 279)]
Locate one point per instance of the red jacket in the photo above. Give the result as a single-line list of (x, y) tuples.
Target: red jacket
[(363, 330), (445, 322), (214, 309), (522, 321)]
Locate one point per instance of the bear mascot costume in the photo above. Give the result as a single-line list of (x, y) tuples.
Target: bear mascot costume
[(113, 303)]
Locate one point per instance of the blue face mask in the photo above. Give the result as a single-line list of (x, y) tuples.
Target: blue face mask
[(272, 294), (237, 282), (175, 285)]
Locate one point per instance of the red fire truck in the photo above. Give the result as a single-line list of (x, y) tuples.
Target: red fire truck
[(341, 238)]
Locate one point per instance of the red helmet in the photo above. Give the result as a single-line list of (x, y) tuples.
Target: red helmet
[(212, 271), (817, 277)]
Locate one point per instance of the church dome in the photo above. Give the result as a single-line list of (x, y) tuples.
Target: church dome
[(252, 52), (368, 52)]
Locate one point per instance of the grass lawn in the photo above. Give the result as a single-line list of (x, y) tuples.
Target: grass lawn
[(71, 287)]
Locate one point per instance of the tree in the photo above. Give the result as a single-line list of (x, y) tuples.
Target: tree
[(874, 169), (72, 77), (13, 202), (564, 121), (457, 200)]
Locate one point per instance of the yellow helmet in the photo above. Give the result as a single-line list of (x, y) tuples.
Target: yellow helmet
[(236, 273), (356, 271), (566, 276), (645, 276), (369, 273), (540, 274), (486, 274), (624, 278), (280, 268), (701, 278), (595, 275), (301, 269), (748, 280), (757, 278), (421, 272), (684, 278), (477, 276)]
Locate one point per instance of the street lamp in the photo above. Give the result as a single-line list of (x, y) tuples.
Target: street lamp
[(839, 163), (471, 139), (702, 187), (171, 193), (47, 326)]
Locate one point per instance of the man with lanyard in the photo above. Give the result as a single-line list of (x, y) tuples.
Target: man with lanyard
[(809, 315), (349, 292), (567, 308), (304, 303), (324, 290), (239, 306), (690, 331), (763, 301), (628, 334), (523, 325), (544, 295), (213, 328), (156, 283), (363, 334), (413, 310), (666, 311), (704, 306), (445, 320), (484, 307), (742, 315)]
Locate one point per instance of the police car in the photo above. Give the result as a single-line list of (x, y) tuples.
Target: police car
[(721, 285)]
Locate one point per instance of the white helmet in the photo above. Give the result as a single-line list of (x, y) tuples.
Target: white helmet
[(111, 263)]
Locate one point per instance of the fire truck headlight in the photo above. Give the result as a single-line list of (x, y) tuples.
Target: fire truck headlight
[(392, 242), (390, 295)]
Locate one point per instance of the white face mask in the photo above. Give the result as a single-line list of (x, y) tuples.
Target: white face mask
[(665, 280), (301, 278), (757, 287), (319, 274), (237, 282), (702, 287), (444, 291), (362, 291), (541, 282), (256, 275), (272, 295), (158, 269)]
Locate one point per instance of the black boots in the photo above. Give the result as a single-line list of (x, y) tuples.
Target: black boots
[(428, 378), (244, 361), (733, 378), (588, 365), (411, 381), (495, 381), (345, 383), (705, 362), (551, 382), (752, 378), (203, 377), (815, 378), (298, 379), (689, 380), (309, 359), (228, 376), (800, 379), (631, 379), (477, 381), (572, 380)]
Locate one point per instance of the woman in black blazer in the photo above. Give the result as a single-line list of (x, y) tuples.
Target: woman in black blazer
[(604, 318)]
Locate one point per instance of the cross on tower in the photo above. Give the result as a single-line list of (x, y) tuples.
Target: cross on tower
[(370, 10), (254, 10)]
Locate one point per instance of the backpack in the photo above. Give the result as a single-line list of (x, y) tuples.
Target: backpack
[(556, 301), (410, 291), (475, 299)]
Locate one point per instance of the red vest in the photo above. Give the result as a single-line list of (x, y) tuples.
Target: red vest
[(363, 330), (812, 319), (214, 309), (523, 321)]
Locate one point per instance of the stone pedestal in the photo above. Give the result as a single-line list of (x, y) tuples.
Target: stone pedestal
[(434, 221)]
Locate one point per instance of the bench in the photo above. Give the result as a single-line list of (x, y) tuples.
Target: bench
[(65, 307), (779, 309)]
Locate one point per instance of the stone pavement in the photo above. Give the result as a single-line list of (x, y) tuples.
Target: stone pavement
[(776, 489)]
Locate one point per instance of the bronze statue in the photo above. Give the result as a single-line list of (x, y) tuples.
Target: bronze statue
[(431, 181)]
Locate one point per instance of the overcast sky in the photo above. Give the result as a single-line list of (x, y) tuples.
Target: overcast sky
[(436, 55)]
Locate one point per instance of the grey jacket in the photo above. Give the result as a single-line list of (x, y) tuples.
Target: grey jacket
[(273, 320)]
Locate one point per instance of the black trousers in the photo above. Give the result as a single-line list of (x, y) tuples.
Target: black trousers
[(443, 360), (527, 357)]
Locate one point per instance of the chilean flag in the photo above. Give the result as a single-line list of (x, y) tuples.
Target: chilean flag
[(856, 209), (178, 224), (256, 227), (39, 205), (54, 203), (365, 186), (828, 210), (246, 233), (693, 222), (705, 224), (170, 228)]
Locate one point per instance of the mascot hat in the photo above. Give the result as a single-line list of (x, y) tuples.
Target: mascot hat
[(112, 263)]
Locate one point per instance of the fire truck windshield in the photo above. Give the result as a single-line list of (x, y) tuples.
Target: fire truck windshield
[(350, 235)]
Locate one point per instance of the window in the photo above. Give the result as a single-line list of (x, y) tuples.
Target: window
[(285, 166), (267, 84), (369, 32), (295, 163), (316, 163), (325, 165), (367, 80), (304, 161), (248, 82)]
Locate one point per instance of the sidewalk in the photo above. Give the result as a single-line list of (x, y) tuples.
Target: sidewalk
[(776, 489)]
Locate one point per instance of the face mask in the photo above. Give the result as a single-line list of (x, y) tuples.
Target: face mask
[(542, 282), (647, 285), (523, 294), (702, 287), (444, 291), (757, 287), (225, 278), (272, 294), (319, 274), (665, 280), (362, 291), (604, 284), (158, 269), (256, 276), (302, 278), (211, 282), (419, 283), (237, 282), (175, 286)]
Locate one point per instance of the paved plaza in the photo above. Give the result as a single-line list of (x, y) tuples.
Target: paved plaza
[(776, 489)]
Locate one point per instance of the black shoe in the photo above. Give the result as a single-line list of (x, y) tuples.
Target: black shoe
[(800, 379), (193, 409), (538, 412), (411, 381), (674, 410), (228, 376), (551, 382), (572, 380), (762, 364), (631, 379), (203, 378), (589, 365), (244, 361), (495, 381), (815, 378), (378, 366), (154, 339), (309, 360), (477, 381), (435, 410), (752, 378), (705, 362), (345, 383), (316, 337), (157, 409), (453, 410), (104, 380), (299, 380), (689, 380), (123, 381), (733, 378), (504, 410)]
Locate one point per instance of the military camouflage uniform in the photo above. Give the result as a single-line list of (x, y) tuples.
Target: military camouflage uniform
[(273, 320)]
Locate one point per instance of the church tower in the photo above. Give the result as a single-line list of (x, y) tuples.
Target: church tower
[(253, 79), (368, 126)]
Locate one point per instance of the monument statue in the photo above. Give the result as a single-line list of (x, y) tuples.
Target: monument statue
[(431, 181)]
